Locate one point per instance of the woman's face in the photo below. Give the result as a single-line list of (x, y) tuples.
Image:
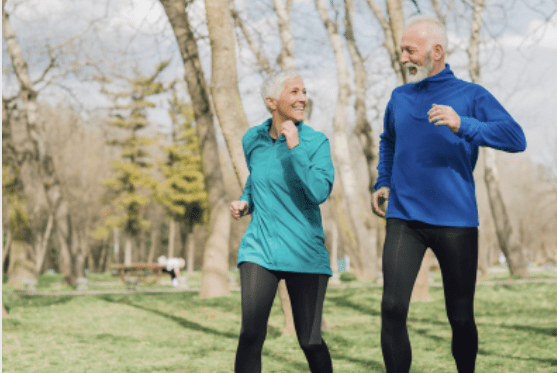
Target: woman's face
[(292, 100)]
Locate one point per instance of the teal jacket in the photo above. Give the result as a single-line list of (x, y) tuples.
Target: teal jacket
[(284, 190)]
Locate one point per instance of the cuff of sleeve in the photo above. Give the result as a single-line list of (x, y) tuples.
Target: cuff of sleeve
[(468, 128), (248, 200), (381, 183)]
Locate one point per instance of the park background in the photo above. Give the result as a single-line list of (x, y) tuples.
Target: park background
[(121, 129)]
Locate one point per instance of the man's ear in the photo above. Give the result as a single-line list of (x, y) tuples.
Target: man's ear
[(437, 52), (271, 103)]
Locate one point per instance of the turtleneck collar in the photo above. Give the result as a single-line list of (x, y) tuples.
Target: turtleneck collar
[(266, 126), (441, 76)]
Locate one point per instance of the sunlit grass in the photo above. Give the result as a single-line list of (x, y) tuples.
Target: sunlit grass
[(178, 332)]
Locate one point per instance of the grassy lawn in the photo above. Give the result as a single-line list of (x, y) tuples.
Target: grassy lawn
[(178, 332)]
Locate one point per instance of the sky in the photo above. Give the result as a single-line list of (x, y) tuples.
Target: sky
[(517, 60)]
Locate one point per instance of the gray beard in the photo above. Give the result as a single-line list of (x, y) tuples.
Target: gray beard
[(422, 71)]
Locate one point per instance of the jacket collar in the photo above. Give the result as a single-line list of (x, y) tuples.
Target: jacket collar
[(441, 76), (264, 128)]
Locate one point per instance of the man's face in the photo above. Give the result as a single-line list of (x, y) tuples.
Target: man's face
[(416, 53), (292, 100)]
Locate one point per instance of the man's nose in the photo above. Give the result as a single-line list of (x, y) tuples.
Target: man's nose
[(404, 57)]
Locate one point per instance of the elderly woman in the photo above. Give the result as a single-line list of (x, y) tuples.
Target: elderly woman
[(291, 174)]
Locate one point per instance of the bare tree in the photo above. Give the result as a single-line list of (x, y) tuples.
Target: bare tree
[(40, 182), (359, 220), (224, 83), (214, 281), (507, 237)]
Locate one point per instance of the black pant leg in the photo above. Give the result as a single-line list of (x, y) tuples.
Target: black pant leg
[(457, 252), (307, 294), (259, 287), (402, 257)]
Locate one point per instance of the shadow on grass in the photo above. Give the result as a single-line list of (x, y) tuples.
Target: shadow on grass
[(333, 339), (549, 362), (34, 301), (179, 320), (549, 331), (276, 355), (344, 301), (106, 337)]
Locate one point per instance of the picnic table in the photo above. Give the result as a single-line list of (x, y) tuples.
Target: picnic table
[(130, 273)]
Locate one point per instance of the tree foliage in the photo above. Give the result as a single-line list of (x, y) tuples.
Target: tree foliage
[(183, 192), (131, 188)]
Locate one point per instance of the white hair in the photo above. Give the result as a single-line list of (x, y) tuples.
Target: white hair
[(273, 84), (436, 29)]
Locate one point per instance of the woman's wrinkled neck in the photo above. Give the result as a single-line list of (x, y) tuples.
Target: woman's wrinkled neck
[(274, 129)]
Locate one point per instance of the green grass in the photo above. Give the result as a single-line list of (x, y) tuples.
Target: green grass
[(178, 332)]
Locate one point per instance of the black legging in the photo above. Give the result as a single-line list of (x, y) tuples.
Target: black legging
[(307, 293), (457, 252)]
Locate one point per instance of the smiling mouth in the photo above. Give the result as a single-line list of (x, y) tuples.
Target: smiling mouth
[(413, 70)]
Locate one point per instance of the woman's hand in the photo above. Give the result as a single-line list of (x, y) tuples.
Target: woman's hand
[(290, 131), (239, 209)]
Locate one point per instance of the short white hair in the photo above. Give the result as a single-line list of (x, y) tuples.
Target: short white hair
[(273, 84), (436, 29)]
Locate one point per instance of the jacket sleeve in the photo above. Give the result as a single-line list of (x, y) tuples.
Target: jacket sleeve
[(492, 125), (246, 194), (386, 149), (315, 171)]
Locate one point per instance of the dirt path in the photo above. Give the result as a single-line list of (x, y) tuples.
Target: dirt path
[(236, 288)]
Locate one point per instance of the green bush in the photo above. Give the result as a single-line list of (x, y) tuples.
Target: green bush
[(347, 277)]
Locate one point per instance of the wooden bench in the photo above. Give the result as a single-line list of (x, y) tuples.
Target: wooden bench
[(130, 273)]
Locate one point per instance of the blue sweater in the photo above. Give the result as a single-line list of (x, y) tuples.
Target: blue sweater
[(428, 168), (284, 190)]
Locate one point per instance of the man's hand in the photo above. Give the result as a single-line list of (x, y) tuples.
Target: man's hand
[(380, 198), (290, 131), (442, 115), (239, 209)]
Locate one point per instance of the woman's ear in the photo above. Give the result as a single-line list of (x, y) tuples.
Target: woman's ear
[(271, 103)]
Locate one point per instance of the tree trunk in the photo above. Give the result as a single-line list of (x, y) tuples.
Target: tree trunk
[(116, 247), (21, 269), (360, 219), (190, 256), (396, 22), (334, 252), (41, 251), (214, 281), (155, 231), (261, 60), (420, 293), (286, 57), (363, 127), (128, 247), (392, 36), (507, 237), (6, 247), (37, 173), (288, 328), (224, 83), (214, 277), (64, 235), (171, 237)]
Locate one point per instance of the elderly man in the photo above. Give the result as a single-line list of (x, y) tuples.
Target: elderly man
[(428, 149)]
